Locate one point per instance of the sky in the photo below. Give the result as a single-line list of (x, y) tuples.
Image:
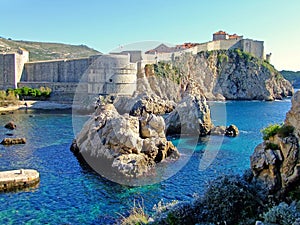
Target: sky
[(106, 25)]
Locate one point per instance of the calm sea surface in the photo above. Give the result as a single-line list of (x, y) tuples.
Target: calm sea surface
[(71, 194)]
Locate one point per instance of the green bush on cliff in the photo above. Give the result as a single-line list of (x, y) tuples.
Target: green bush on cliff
[(166, 70), (270, 131), (285, 131), (223, 57), (273, 129)]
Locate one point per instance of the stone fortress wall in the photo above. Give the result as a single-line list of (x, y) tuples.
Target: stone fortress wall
[(115, 73), (100, 74), (11, 68)]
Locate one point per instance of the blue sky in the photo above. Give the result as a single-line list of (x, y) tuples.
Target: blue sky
[(105, 25)]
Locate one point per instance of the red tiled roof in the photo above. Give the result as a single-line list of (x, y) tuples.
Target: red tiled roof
[(186, 45), (233, 36), (220, 32)]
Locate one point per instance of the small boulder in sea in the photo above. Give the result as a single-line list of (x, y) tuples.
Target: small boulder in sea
[(10, 125), (13, 141), (231, 131)]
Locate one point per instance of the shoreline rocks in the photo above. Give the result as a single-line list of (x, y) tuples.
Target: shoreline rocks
[(275, 163)]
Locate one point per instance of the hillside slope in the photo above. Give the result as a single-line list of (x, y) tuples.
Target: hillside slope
[(291, 76), (47, 51)]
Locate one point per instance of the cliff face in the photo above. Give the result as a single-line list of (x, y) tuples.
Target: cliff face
[(223, 75), (293, 116), (276, 162)]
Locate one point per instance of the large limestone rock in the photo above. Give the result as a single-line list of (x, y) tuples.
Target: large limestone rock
[(191, 116), (150, 103), (233, 75), (127, 145), (276, 162), (293, 116)]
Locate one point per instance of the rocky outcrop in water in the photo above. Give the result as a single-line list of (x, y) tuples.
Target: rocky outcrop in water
[(276, 163), (191, 116), (129, 145), (230, 131)]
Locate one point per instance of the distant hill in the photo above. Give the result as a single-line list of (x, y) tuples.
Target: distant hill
[(293, 77), (47, 51)]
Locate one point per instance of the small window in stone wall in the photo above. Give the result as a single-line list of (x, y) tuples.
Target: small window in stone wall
[(110, 80)]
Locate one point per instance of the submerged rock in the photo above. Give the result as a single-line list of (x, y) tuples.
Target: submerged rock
[(128, 145), (13, 141), (10, 125)]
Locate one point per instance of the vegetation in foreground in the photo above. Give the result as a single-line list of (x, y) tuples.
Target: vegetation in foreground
[(233, 199), (229, 199)]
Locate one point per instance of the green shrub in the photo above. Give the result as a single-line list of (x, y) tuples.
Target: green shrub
[(231, 199), (285, 131), (32, 92), (222, 58), (283, 214), (270, 131)]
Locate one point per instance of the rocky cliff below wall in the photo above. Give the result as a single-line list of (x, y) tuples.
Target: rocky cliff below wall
[(276, 163), (232, 75)]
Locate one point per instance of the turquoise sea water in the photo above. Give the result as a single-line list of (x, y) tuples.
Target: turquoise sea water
[(72, 194)]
